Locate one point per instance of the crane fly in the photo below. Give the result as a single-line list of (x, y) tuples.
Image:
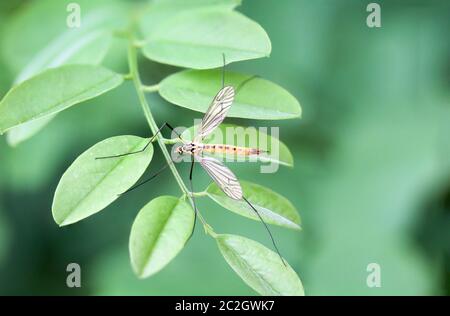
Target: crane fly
[(222, 175)]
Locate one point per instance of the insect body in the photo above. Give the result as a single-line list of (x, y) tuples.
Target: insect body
[(224, 177), (199, 148)]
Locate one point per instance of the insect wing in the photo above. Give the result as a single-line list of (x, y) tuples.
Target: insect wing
[(223, 176), (216, 112)]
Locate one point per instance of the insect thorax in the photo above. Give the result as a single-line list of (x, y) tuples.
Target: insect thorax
[(191, 148)]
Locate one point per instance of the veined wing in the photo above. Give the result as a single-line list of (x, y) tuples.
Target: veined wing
[(223, 176), (216, 112)]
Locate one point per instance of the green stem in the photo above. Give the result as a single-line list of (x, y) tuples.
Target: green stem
[(152, 88), (199, 194), (140, 90), (132, 62), (139, 43), (127, 77), (171, 141)]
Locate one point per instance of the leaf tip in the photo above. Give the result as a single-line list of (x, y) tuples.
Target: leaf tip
[(139, 273), (11, 141), (63, 223), (59, 223)]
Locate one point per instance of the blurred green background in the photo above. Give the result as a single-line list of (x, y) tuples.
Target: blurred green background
[(371, 178)]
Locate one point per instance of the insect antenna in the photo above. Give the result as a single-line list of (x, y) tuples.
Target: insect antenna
[(267, 228), (245, 82), (147, 180), (242, 83)]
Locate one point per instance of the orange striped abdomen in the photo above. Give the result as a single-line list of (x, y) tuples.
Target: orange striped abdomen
[(228, 149)]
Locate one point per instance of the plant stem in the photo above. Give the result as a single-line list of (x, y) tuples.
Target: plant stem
[(127, 77), (132, 62), (171, 141), (140, 90), (152, 88), (198, 194)]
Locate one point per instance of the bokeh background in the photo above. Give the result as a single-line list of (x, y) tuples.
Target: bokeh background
[(371, 178)]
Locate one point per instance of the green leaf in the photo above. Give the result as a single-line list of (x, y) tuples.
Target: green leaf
[(235, 135), (87, 47), (159, 12), (77, 46), (51, 45), (158, 234), (198, 38), (50, 41), (255, 98), (259, 267), (90, 184), (273, 207), (53, 91), (22, 132)]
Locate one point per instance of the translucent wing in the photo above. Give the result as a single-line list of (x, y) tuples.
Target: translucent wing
[(223, 176), (216, 112)]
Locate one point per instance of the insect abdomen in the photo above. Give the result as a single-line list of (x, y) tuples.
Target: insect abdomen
[(228, 149)]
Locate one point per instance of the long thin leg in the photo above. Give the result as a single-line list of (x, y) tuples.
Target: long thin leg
[(193, 198), (145, 147), (267, 228), (173, 130), (147, 180)]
